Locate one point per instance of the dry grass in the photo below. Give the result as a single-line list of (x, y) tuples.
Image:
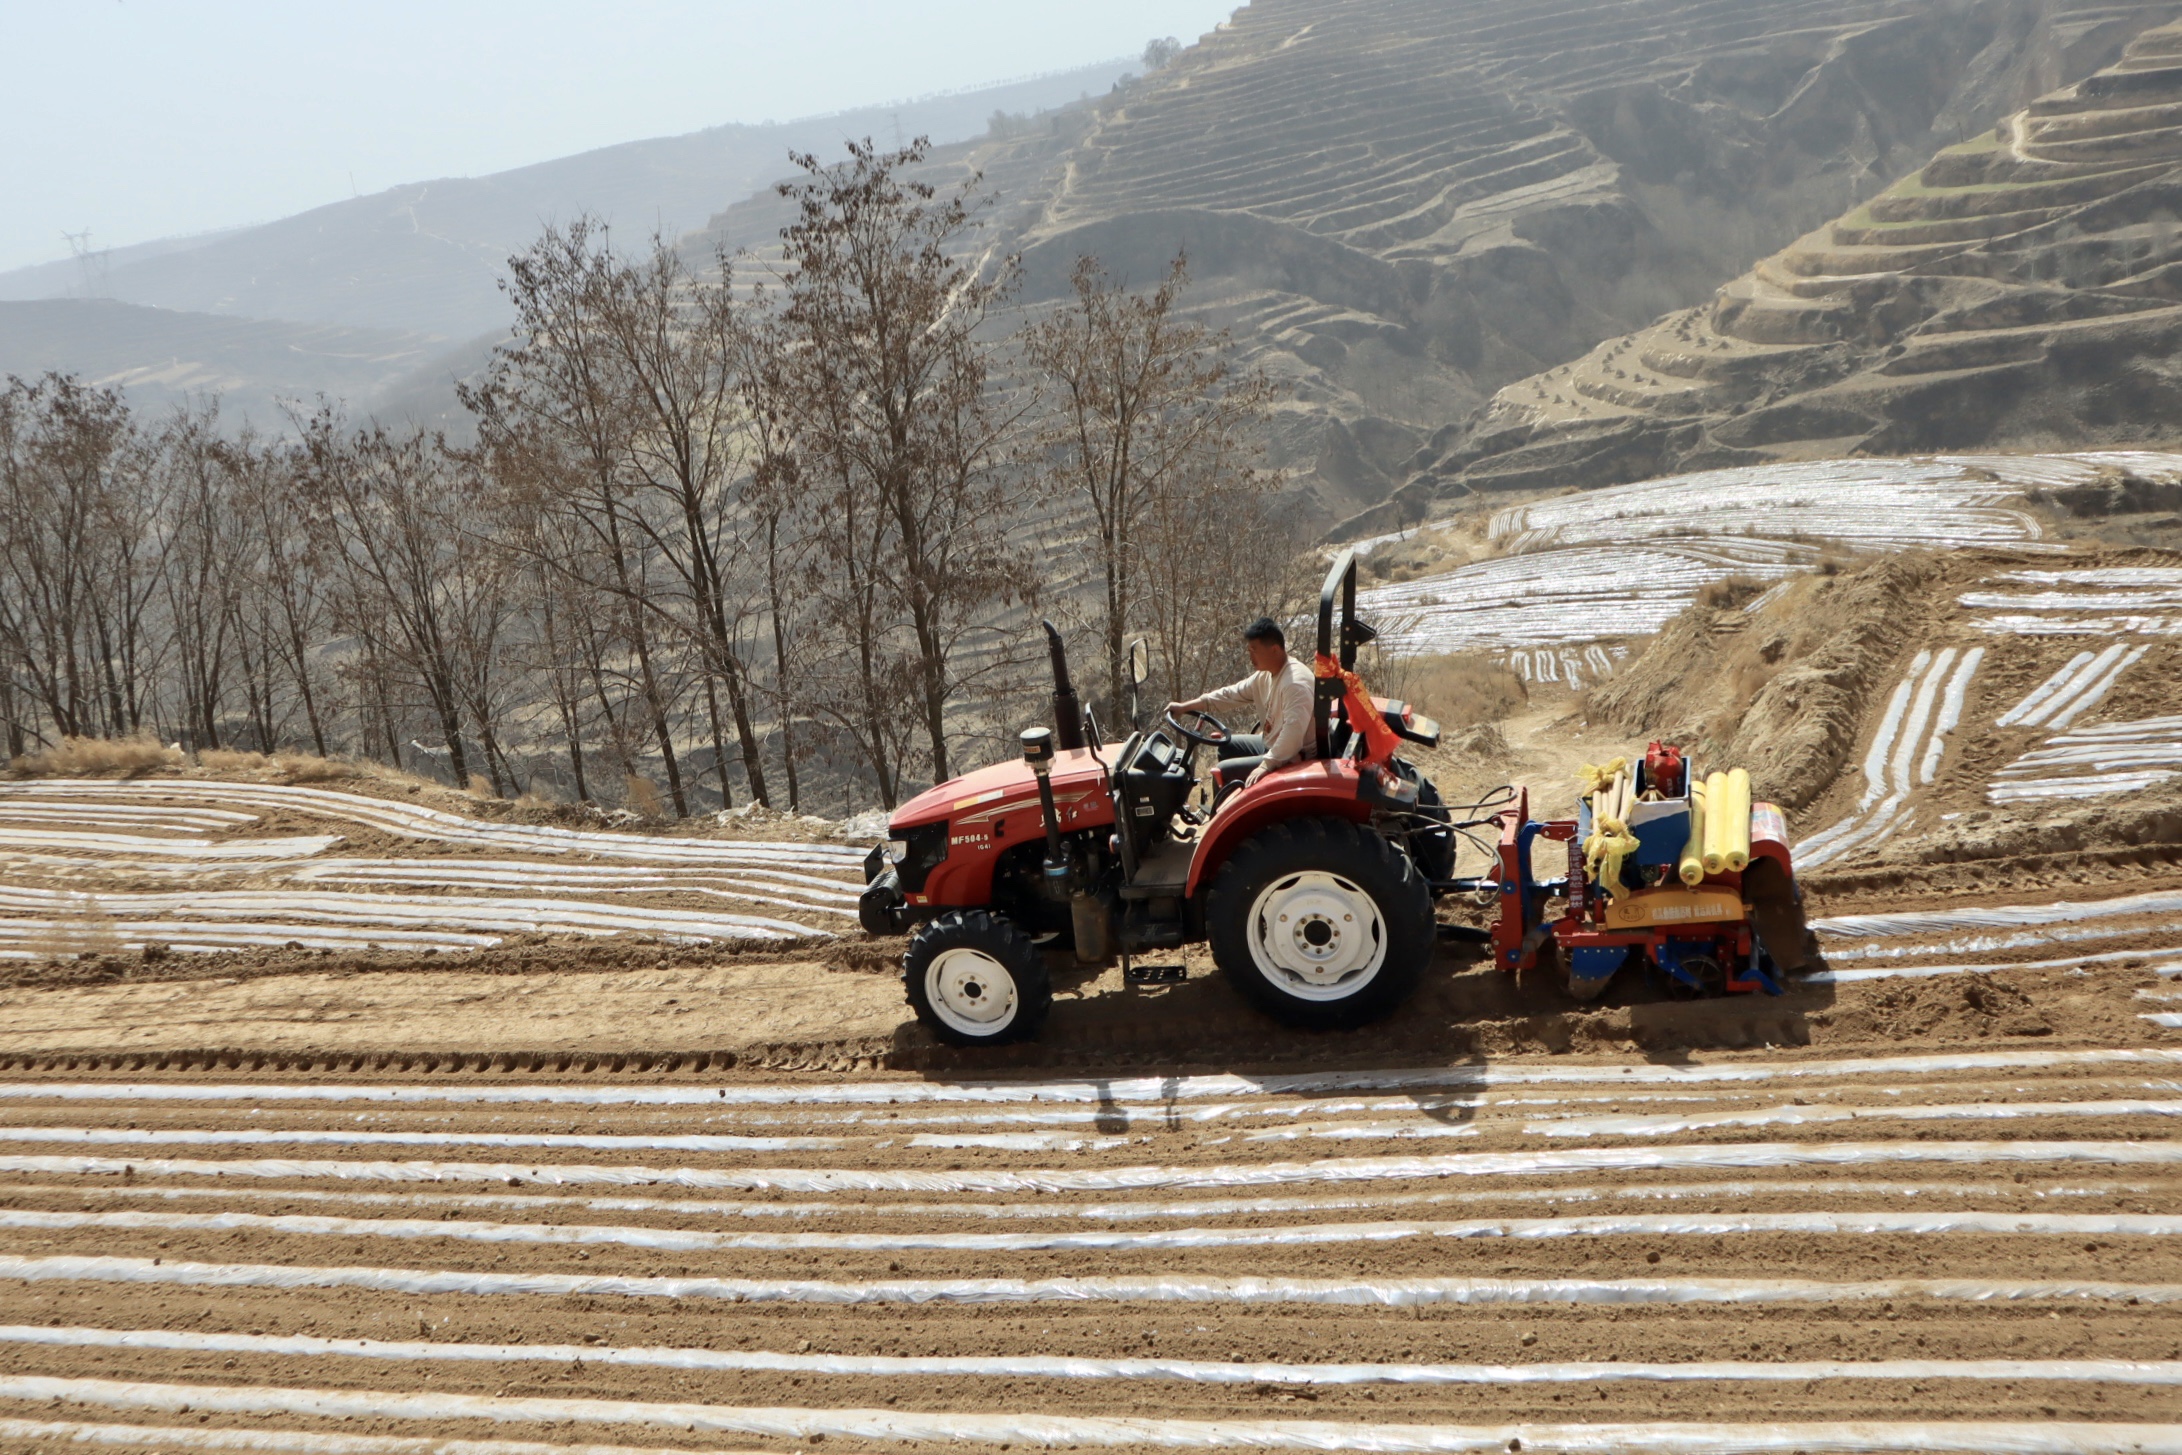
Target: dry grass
[(96, 758), (643, 797), (139, 756), (1457, 688), (83, 929), (1730, 591), (310, 768), (1426, 553)]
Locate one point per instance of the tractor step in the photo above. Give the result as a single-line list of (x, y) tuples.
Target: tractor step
[(1155, 974)]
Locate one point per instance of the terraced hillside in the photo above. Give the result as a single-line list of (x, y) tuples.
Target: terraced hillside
[(2017, 290), (1407, 204)]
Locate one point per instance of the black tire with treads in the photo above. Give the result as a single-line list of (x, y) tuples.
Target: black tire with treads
[(1353, 861), (1008, 951)]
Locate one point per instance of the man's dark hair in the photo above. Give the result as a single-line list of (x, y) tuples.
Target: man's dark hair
[(1265, 629)]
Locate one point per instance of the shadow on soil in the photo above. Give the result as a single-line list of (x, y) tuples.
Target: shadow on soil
[(1462, 1012)]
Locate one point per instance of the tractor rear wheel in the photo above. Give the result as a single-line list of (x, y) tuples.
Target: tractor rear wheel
[(976, 979), (1320, 923)]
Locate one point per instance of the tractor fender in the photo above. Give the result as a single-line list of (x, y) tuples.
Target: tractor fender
[(1306, 790)]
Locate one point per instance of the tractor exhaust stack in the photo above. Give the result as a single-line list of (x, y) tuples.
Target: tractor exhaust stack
[(1067, 708)]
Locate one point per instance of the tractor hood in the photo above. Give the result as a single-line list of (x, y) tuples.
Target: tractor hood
[(1001, 784)]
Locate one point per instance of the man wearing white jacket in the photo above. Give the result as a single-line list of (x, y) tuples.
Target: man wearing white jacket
[(1277, 696)]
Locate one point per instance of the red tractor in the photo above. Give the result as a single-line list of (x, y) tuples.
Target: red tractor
[(1313, 885)]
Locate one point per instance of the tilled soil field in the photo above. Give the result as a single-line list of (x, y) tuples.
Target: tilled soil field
[(650, 1156), (1844, 1247)]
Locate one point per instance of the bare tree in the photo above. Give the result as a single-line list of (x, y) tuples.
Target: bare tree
[(380, 508), (890, 380), (288, 575), (775, 487), (78, 555), (203, 570), (1145, 411), (563, 417), (1217, 551)]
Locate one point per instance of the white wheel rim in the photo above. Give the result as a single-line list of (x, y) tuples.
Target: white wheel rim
[(971, 991), (1317, 936)]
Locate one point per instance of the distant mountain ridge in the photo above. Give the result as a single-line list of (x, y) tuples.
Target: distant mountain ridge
[(426, 257), (164, 358)]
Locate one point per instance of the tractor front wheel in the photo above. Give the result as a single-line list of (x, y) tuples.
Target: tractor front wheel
[(976, 980), (1321, 923)]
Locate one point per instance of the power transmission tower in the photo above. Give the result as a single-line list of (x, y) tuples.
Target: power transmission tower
[(90, 263)]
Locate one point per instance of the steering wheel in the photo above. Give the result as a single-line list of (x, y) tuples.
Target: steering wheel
[(1210, 732)]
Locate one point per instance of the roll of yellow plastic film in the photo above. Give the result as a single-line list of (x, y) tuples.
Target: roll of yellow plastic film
[(1735, 833), (1716, 814), (1691, 866)]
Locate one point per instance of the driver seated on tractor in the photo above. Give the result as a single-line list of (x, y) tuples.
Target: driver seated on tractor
[(1277, 695)]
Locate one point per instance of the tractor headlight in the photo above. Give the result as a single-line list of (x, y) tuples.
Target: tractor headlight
[(920, 850)]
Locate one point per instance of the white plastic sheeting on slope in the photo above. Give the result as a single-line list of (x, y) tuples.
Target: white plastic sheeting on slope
[(2076, 687), (1938, 921), (1154, 1288), (428, 912), (1333, 1170), (786, 888), (1580, 595), (2094, 690), (256, 1137), (2114, 757), (1863, 1222), (1810, 1116), (1571, 1125), (2031, 624), (411, 821), (1879, 504), (1906, 750), (1569, 665), (1665, 1439), (1989, 1437), (31, 939), (2140, 600), (1047, 1210), (1162, 1089), (2076, 467), (1049, 1366), (2152, 959), (2096, 602), (79, 1435), (137, 816), (2129, 927), (190, 850)]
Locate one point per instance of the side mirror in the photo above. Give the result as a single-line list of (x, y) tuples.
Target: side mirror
[(1140, 672)]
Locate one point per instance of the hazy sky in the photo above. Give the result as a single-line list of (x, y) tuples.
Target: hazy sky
[(140, 119)]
